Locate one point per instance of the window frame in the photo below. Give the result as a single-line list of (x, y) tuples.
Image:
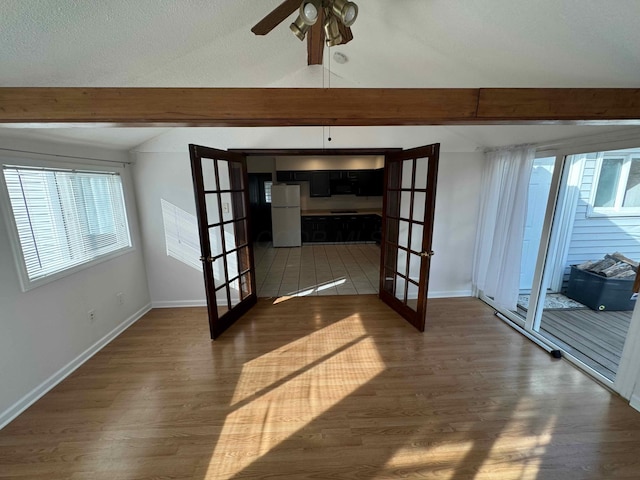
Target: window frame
[(6, 211), (618, 210)]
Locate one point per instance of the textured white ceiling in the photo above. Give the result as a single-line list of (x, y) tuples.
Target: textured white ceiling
[(423, 43), (399, 43)]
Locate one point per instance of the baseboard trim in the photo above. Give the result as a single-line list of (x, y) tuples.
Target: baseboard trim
[(34, 395), (450, 294), (179, 303), (203, 303), (635, 402)]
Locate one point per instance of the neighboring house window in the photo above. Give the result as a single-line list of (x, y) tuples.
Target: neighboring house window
[(64, 219), (618, 187)]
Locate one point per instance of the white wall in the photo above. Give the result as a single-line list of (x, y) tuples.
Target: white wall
[(162, 175), (45, 332), (456, 222), (166, 176)]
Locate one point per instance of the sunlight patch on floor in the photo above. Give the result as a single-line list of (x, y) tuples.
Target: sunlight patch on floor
[(289, 396), (524, 440), (301, 354), (421, 461), (310, 290)]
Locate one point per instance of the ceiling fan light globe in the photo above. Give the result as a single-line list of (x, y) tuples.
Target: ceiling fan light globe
[(346, 11), (309, 10), (350, 14), (299, 28)]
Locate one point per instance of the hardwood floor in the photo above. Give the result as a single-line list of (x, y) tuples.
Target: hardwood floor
[(325, 388)]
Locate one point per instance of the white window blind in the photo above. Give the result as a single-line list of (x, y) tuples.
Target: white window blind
[(65, 218)]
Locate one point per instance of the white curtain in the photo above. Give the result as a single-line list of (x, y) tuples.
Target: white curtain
[(503, 211)]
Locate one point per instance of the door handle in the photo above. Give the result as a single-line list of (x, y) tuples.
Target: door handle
[(428, 254)]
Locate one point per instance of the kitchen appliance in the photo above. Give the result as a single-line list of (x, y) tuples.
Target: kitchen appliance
[(285, 215)]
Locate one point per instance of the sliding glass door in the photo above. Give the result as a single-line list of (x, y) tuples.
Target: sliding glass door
[(580, 256), (585, 305)]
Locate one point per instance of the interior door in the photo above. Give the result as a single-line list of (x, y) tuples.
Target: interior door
[(407, 232), (220, 186)]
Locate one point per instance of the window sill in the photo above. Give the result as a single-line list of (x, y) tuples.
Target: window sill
[(27, 285)]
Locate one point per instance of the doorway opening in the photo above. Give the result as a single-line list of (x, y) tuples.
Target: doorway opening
[(402, 221), (316, 219)]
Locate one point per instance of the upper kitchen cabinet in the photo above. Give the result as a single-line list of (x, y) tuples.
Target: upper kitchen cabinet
[(293, 176), (370, 183), (319, 185)]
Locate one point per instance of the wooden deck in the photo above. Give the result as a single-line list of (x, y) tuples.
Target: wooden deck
[(325, 388), (595, 338)]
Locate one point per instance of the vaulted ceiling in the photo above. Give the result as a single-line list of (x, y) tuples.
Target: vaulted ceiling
[(399, 43)]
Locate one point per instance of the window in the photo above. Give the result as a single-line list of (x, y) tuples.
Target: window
[(267, 191), (618, 185), (64, 219)]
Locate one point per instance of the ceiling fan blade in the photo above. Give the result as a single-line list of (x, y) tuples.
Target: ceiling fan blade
[(315, 42), (346, 33), (277, 15)]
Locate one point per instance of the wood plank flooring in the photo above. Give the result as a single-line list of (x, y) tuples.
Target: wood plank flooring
[(325, 388), (595, 338)]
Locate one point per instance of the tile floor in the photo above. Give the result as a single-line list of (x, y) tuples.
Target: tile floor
[(347, 269)]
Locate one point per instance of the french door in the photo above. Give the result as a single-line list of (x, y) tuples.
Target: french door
[(408, 212), (221, 193)]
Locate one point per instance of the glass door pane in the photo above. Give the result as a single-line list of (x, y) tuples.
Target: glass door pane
[(537, 201)]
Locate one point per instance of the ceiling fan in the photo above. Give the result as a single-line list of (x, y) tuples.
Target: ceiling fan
[(319, 21)]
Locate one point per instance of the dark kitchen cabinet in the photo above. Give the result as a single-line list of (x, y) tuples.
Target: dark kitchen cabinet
[(341, 228), (293, 176), (319, 184), (302, 176), (370, 183), (316, 229), (371, 228), (378, 181), (347, 228), (365, 183), (285, 176)]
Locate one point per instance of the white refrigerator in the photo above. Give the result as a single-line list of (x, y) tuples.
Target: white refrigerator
[(285, 215)]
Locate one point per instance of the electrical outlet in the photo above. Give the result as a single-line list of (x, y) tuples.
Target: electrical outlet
[(91, 314), (120, 296)]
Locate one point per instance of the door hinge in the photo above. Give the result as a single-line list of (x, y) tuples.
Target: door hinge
[(206, 259), (428, 254)]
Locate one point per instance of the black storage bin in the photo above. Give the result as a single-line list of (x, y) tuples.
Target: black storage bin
[(600, 293)]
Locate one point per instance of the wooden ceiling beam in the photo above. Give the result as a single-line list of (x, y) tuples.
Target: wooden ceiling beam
[(305, 107), (558, 104)]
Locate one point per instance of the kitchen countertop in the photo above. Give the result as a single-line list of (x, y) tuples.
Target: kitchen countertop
[(326, 213)]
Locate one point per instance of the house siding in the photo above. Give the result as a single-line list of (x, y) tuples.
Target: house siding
[(594, 237)]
